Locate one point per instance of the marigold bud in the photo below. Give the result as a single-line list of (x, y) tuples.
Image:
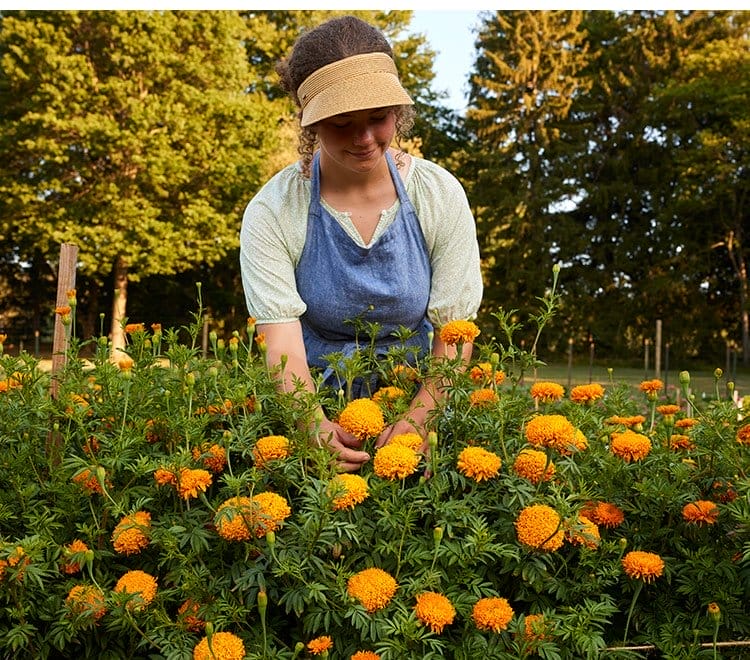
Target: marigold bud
[(432, 440), (714, 612), (270, 537), (262, 602), (685, 378), (718, 373), (437, 534)]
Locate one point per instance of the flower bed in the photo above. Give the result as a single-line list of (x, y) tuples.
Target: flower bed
[(167, 506)]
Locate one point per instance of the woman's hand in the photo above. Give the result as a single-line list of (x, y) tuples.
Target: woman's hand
[(345, 448)]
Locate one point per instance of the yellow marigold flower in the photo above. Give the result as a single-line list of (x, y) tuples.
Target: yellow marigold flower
[(483, 397), (363, 418), (405, 373), (165, 477), (640, 565), (478, 463), (680, 441), (539, 527), (554, 431), (87, 480), (187, 614), (395, 462), (224, 646), (372, 587), (547, 392), (434, 610), (585, 532), (411, 440), (651, 387), (459, 332), (193, 482), (492, 614), (579, 443), (270, 448), (132, 533), (213, 457), (685, 423), (482, 373), (586, 394), (630, 446), (239, 518), (534, 627), (141, 585), (533, 465), (348, 490), (634, 421), (320, 645), (75, 547), (743, 434), (125, 363), (603, 513), (701, 512), (385, 396), (365, 655), (668, 409), (87, 600)]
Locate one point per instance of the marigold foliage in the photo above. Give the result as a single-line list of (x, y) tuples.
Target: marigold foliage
[(459, 332), (434, 610), (224, 646), (492, 614), (363, 418), (478, 464), (640, 565), (372, 587)]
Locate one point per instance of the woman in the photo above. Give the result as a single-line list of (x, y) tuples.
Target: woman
[(357, 229)]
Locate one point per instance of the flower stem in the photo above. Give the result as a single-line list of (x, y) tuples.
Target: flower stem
[(636, 593)]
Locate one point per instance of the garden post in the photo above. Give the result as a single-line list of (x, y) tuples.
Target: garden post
[(657, 350), (66, 281)]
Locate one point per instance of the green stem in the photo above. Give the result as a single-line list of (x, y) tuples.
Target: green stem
[(636, 593)]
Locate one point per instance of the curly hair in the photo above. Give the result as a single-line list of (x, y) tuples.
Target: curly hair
[(329, 42)]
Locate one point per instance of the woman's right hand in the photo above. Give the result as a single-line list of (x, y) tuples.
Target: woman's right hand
[(345, 447)]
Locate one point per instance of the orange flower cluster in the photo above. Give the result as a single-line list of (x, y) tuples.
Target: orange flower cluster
[(630, 446), (585, 533), (320, 645), (701, 512), (395, 461), (483, 397), (668, 409), (459, 332), (477, 463), (586, 394), (386, 396), (270, 448), (539, 527), (348, 491), (224, 646), (213, 457), (16, 558), (70, 566), (411, 440), (241, 518), (372, 587), (743, 434), (534, 627), (434, 610), (605, 514), (193, 482), (680, 441), (86, 600), (632, 422), (365, 655), (132, 533), (685, 423), (363, 418), (88, 481), (165, 477), (651, 387), (640, 565), (533, 465), (187, 613), (141, 585), (554, 431), (546, 392), (492, 614), (482, 373)]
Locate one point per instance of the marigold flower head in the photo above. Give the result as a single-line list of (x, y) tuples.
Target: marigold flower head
[(534, 627), (632, 422), (88, 481), (586, 394), (546, 392), (668, 409), (372, 587), (482, 373), (701, 512), (405, 373), (132, 533), (349, 490), (605, 514), (492, 614), (212, 456), (385, 396), (365, 655), (483, 397), (165, 477), (239, 518), (630, 446), (640, 565), (192, 482), (141, 585), (585, 533), (224, 646), (533, 465), (395, 462), (743, 434), (86, 600), (539, 527), (17, 557), (680, 441), (477, 463), (271, 448), (459, 332), (411, 440), (75, 547), (434, 610), (63, 310), (554, 431), (363, 418), (651, 387), (579, 443), (320, 645), (187, 614), (685, 423), (125, 363), (132, 328)]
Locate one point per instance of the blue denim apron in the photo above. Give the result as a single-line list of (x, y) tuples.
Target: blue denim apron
[(387, 283)]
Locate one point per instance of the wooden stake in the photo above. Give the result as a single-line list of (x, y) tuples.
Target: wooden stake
[(66, 280)]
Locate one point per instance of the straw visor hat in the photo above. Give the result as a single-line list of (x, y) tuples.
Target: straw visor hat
[(355, 83)]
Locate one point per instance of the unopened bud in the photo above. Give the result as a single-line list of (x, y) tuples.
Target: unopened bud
[(714, 612), (437, 534), (270, 537), (718, 373), (494, 359), (685, 378), (262, 602), (432, 440)]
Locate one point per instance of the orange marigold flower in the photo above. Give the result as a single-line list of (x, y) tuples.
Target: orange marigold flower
[(141, 585), (685, 423), (187, 613), (554, 431), (579, 444), (640, 565), (534, 627), (434, 610), (724, 491), (193, 482), (132, 328), (492, 614), (634, 421), (701, 512), (585, 532), (477, 463), (482, 373), (483, 397), (668, 409), (363, 418), (320, 645), (75, 547), (394, 461), (387, 395), (365, 655), (743, 434), (86, 600), (539, 527), (165, 477), (651, 387), (534, 465), (125, 363), (63, 310), (603, 513), (405, 373), (348, 490), (239, 518), (630, 446), (17, 557), (372, 587), (271, 448), (213, 457), (459, 332), (223, 646), (87, 480), (586, 394), (132, 533), (547, 392), (411, 440), (680, 441)]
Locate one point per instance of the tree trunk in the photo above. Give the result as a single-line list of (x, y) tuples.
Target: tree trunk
[(119, 306), (737, 257)]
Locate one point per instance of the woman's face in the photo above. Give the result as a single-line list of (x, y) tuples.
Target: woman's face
[(356, 141)]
